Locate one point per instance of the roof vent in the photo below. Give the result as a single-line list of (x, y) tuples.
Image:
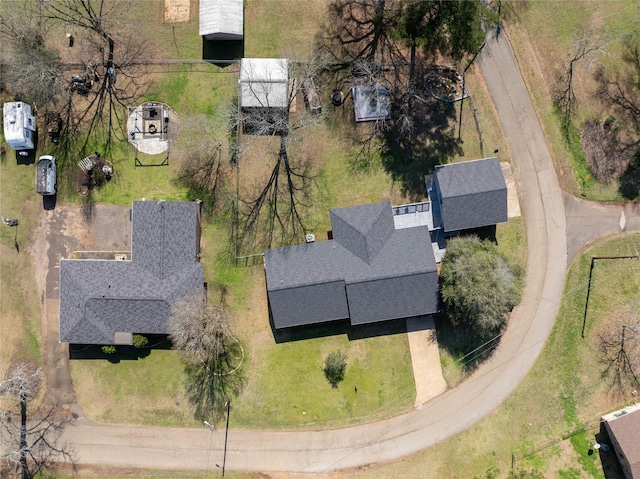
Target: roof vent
[(121, 257), (310, 238)]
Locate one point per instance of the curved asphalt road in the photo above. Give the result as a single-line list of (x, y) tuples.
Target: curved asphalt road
[(436, 420)]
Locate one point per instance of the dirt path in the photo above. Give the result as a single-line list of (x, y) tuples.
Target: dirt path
[(60, 232)]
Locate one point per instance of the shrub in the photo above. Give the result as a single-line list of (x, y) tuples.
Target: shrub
[(334, 367), (109, 349), (139, 341), (477, 284)]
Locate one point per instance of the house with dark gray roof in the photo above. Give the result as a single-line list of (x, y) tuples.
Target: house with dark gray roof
[(107, 301), (369, 272), (468, 195)]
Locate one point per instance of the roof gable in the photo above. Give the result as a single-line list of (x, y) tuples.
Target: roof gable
[(470, 194), (363, 230)]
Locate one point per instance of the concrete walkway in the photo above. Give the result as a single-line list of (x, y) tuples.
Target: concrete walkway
[(439, 418), (425, 358)]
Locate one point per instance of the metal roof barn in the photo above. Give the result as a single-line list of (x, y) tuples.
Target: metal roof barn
[(371, 103), (264, 83), (222, 19)]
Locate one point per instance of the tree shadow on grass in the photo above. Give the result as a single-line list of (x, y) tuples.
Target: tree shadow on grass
[(464, 343), (211, 385), (630, 179), (409, 157)]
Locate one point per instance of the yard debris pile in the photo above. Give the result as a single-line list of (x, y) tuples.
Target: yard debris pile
[(93, 171), (443, 83)]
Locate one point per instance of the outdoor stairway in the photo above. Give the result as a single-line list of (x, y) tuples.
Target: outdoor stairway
[(86, 164)]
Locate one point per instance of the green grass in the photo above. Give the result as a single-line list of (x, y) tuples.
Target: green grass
[(581, 169), (19, 309), (512, 242), (281, 28), (289, 388), (148, 390)]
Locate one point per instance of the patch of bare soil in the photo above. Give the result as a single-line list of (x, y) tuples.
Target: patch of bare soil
[(600, 142), (93, 172), (177, 11)]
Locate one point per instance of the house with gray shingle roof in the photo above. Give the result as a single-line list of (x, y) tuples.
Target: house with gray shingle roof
[(106, 301), (369, 272), (468, 195), (381, 263)]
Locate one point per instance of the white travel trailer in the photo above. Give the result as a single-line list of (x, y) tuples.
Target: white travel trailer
[(19, 125)]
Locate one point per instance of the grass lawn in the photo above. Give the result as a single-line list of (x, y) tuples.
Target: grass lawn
[(287, 388), (148, 390), (19, 308), (543, 36)]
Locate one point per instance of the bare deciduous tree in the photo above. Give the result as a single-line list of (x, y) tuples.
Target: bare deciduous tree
[(111, 62), (273, 211), (275, 215), (619, 347), (203, 168), (211, 353), (30, 71), (622, 88), (30, 445), (585, 45)]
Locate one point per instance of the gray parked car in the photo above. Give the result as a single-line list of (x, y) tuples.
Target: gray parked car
[(46, 175)]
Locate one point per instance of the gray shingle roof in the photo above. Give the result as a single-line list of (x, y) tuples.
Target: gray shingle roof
[(99, 298), (367, 257), (363, 230), (473, 194)]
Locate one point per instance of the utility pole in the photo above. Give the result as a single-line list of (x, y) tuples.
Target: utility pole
[(464, 86), (226, 436)]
